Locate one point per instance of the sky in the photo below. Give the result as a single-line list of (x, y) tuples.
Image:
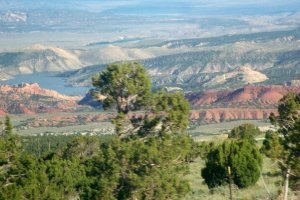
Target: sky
[(160, 6), (112, 19)]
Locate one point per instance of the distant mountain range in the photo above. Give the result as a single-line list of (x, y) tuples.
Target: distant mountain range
[(217, 63), (193, 64), (40, 58)]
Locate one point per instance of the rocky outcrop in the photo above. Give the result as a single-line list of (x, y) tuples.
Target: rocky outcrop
[(294, 83), (31, 98), (240, 75), (227, 114), (2, 112), (35, 89), (249, 102)]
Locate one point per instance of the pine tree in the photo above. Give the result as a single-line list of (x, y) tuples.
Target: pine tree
[(245, 131), (288, 122), (241, 156), (8, 126)]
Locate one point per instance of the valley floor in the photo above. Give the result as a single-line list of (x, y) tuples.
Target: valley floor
[(95, 122)]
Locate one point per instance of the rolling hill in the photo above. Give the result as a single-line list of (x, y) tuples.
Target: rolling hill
[(38, 58)]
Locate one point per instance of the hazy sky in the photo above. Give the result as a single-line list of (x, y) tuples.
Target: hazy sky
[(159, 6), (152, 19)]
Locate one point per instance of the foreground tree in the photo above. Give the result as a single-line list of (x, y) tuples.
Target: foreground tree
[(273, 147), (288, 122), (237, 160), (148, 158), (13, 166), (53, 175), (137, 169), (9, 151), (127, 88), (169, 113)]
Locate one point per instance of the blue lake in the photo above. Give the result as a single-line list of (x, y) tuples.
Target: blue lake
[(47, 81)]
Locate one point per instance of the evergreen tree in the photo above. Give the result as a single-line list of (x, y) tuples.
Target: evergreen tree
[(13, 166), (169, 113), (241, 156), (135, 169), (8, 126), (127, 88), (273, 146), (288, 122), (245, 131), (131, 168), (149, 163)]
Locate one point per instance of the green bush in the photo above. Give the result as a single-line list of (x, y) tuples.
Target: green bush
[(241, 156), (245, 131)]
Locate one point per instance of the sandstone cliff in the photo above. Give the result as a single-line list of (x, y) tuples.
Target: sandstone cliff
[(31, 98), (249, 102), (35, 89), (227, 114), (251, 96)]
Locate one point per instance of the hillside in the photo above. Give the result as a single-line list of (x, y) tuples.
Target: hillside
[(112, 53), (38, 58), (205, 69), (198, 64), (199, 70), (247, 97), (249, 102)]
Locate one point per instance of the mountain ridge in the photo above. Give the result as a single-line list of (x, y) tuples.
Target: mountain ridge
[(38, 58), (252, 96)]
